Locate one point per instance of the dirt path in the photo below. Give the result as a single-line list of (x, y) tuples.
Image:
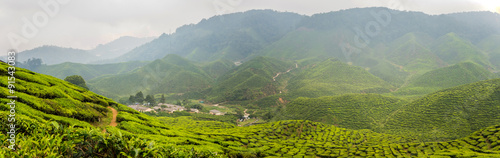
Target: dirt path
[(287, 71), (113, 120)]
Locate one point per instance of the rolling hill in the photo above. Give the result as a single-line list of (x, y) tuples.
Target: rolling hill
[(412, 52), (490, 46), (453, 49), (450, 113), (443, 115), (51, 55), (117, 48), (232, 37), (446, 77), (352, 111), (87, 71), (56, 55), (56, 118), (251, 80), (333, 77), (173, 74)]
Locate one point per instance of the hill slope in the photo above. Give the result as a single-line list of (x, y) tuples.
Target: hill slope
[(333, 77), (173, 74), (56, 118), (453, 49), (87, 71), (450, 113), (251, 80), (447, 77), (232, 37), (353, 111)]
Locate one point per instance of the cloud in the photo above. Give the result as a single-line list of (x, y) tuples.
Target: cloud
[(87, 23)]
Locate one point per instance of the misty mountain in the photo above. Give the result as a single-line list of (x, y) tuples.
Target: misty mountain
[(288, 35), (55, 55), (118, 47), (51, 55), (233, 37)]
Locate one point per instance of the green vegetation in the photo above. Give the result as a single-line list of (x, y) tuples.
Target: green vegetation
[(333, 77), (447, 77), (172, 74), (352, 111), (490, 46), (76, 80), (419, 88), (58, 116), (249, 81), (88, 71), (451, 113), (453, 49), (443, 115)]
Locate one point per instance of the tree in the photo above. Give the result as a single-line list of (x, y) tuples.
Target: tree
[(139, 97), (197, 106), (268, 116), (34, 63), (185, 102), (131, 99), (31, 63), (151, 100), (162, 100), (239, 114), (77, 80)]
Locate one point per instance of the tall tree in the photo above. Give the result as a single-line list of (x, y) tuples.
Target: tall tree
[(77, 80), (162, 100), (139, 97), (34, 63), (151, 100), (131, 99)]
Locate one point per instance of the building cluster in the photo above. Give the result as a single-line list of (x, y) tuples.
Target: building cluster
[(216, 112), (160, 107), (170, 108)]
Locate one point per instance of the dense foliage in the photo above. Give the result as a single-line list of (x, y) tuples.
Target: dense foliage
[(76, 80)]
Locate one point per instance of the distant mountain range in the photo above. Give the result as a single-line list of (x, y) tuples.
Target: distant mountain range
[(51, 55), (395, 61)]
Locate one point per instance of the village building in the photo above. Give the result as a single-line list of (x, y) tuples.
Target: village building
[(216, 112), (195, 110), (140, 108)]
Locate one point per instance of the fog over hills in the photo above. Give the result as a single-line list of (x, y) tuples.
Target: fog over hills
[(51, 55)]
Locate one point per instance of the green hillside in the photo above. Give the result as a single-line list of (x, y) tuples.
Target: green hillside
[(390, 73), (490, 46), (443, 115), (234, 38), (87, 71), (455, 75), (453, 49), (352, 111), (307, 43), (173, 74), (56, 118), (249, 81), (333, 77), (218, 68), (450, 113), (412, 53)]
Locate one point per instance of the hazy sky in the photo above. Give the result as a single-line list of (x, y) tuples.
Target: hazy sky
[(85, 23)]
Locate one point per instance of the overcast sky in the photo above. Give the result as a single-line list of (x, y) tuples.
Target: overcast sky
[(86, 23)]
